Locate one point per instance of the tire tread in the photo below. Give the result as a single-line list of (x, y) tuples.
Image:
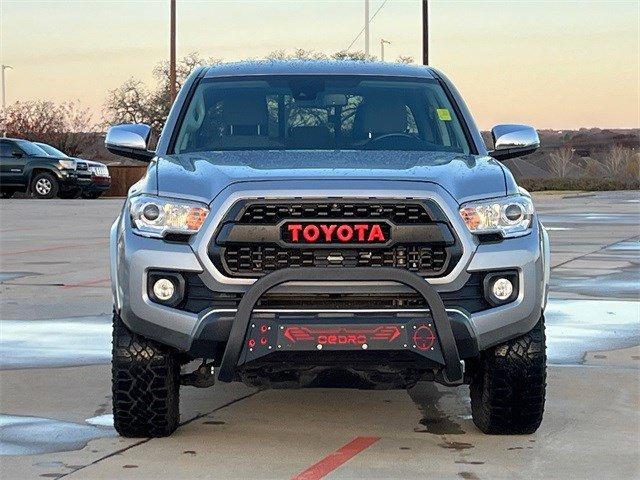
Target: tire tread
[(145, 385), (508, 391)]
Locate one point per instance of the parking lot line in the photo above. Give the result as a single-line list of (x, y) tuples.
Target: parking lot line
[(332, 461), (88, 283), (48, 249)]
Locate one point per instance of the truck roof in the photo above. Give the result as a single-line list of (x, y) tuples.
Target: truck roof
[(317, 67)]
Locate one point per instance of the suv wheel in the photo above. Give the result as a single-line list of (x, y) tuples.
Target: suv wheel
[(145, 384), (508, 390), (44, 185)]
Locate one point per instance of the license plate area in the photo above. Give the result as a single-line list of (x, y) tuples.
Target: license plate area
[(396, 333), (390, 336)]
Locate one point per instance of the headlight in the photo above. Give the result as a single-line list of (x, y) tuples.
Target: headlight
[(67, 164), (156, 216), (509, 216)]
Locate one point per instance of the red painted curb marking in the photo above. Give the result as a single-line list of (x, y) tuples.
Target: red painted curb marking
[(87, 283), (48, 249), (335, 459)]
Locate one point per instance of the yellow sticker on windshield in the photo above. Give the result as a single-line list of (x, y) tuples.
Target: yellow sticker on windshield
[(444, 114)]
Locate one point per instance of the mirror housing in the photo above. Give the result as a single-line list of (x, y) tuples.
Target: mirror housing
[(130, 140), (17, 154), (510, 141)]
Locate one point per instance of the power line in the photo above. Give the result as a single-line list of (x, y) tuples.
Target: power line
[(363, 28)]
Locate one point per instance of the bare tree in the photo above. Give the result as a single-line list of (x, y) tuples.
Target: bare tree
[(297, 54), (305, 54), (66, 125), (135, 102), (619, 161), (405, 59), (358, 56), (560, 161)]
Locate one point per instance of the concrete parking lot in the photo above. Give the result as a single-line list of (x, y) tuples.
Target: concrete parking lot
[(55, 375)]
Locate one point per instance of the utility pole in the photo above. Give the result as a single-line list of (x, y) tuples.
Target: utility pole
[(366, 27), (4, 67), (382, 42), (172, 54), (425, 32)]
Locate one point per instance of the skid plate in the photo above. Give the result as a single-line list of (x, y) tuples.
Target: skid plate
[(266, 336)]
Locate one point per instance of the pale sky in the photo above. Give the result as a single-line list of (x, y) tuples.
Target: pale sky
[(552, 64)]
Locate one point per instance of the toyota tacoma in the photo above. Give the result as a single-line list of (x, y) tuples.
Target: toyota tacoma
[(326, 224)]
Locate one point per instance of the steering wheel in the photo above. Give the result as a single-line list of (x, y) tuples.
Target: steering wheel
[(394, 141)]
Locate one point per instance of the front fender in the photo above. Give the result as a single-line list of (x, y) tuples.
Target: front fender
[(31, 166), (545, 246)]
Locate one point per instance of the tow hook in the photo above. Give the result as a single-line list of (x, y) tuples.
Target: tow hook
[(442, 377), (203, 377)]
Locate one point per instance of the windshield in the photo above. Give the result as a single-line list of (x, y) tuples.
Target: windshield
[(320, 113), (31, 149), (51, 151)]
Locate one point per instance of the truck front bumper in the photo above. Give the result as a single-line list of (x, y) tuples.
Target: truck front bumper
[(133, 256)]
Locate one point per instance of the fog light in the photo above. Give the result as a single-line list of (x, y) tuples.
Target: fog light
[(164, 289), (502, 289)]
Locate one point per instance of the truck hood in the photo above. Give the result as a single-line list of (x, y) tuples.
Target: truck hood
[(203, 175)]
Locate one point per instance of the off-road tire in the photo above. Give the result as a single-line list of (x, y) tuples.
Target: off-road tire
[(48, 179), (508, 390), (145, 385)]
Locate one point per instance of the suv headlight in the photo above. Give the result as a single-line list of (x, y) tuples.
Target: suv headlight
[(67, 164), (509, 216), (156, 216)]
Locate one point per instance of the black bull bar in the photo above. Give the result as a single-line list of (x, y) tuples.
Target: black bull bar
[(453, 370)]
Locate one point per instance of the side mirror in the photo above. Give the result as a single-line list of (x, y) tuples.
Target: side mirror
[(510, 141), (130, 140), (17, 154)]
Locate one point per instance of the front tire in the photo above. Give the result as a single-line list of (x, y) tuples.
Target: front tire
[(145, 384), (508, 390), (44, 186)]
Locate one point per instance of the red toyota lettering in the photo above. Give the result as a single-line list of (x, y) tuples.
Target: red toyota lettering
[(311, 233), (344, 233), (361, 230), (294, 230), (376, 235), (328, 231)]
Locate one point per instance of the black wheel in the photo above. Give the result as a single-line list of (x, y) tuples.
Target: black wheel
[(70, 193), (44, 185), (91, 195), (7, 193), (508, 390), (145, 385)]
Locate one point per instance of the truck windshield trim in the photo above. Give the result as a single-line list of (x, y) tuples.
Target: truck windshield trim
[(320, 112)]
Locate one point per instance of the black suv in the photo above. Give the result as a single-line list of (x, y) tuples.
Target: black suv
[(27, 167)]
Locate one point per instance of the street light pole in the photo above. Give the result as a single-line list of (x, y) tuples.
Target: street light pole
[(172, 54), (4, 67), (425, 32), (366, 27), (382, 42)]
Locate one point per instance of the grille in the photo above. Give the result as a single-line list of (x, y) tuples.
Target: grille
[(400, 213), (263, 252), (259, 259)]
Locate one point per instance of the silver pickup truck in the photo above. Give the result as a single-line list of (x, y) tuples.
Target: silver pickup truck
[(326, 224)]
